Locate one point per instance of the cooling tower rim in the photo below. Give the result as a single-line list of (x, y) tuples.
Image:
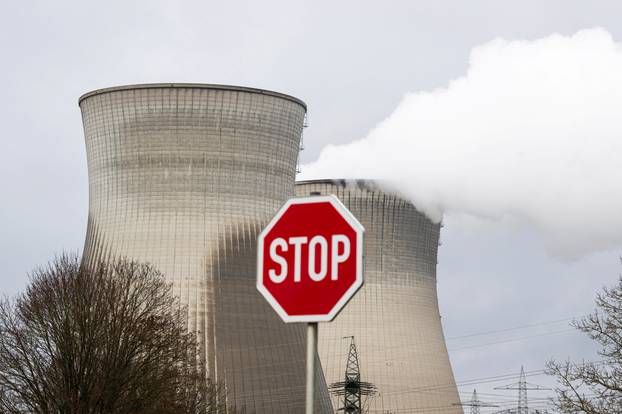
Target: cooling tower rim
[(192, 86), (343, 181), (364, 183), (370, 184)]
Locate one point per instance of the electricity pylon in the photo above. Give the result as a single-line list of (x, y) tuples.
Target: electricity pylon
[(352, 389), (475, 404), (523, 403)]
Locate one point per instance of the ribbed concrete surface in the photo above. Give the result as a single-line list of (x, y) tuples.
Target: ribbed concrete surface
[(394, 318), (185, 177)]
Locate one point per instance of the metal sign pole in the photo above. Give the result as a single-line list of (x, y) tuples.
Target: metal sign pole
[(311, 355)]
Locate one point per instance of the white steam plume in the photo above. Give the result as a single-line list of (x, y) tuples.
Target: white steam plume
[(533, 131)]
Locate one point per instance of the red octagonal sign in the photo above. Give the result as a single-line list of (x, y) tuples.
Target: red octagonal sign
[(310, 259)]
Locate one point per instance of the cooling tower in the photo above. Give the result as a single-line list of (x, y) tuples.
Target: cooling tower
[(394, 318), (185, 177)]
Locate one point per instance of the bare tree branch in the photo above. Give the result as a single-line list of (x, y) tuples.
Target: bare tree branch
[(595, 388), (110, 339)]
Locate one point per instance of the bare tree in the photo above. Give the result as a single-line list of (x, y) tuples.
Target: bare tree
[(110, 339), (595, 387)]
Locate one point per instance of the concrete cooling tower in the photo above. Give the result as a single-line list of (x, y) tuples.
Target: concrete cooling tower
[(394, 318), (185, 177)]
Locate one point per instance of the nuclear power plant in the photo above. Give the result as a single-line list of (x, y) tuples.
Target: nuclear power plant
[(185, 176)]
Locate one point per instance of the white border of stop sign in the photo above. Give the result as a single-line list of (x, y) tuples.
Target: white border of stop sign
[(358, 230)]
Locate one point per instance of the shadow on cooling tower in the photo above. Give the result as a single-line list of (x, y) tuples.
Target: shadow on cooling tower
[(252, 339)]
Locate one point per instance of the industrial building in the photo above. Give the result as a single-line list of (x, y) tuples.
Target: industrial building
[(185, 176), (394, 318)]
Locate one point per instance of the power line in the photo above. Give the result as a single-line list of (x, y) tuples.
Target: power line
[(481, 380), (531, 325), (522, 338)]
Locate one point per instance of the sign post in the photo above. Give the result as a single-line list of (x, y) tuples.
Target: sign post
[(310, 373), (309, 265)]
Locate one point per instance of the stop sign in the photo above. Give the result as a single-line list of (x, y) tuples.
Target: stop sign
[(310, 259)]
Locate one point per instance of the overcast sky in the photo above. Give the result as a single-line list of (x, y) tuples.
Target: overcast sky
[(352, 62)]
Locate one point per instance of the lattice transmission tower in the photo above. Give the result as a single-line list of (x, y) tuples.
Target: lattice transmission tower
[(523, 403), (352, 389), (476, 404)]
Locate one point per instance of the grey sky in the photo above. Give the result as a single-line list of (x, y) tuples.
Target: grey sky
[(351, 61)]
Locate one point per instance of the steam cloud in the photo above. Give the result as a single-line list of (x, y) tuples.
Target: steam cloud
[(532, 132)]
